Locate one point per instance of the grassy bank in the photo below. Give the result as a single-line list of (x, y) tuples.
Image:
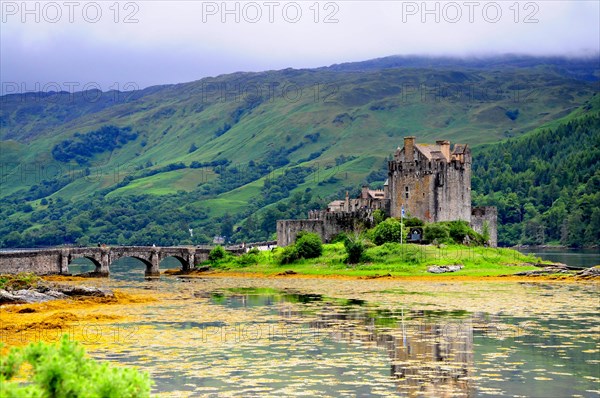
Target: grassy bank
[(391, 258)]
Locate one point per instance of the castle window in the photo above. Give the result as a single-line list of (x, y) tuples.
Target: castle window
[(406, 192)]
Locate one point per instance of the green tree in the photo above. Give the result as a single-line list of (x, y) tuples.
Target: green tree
[(410, 222), (575, 229), (226, 226), (592, 232), (485, 232)]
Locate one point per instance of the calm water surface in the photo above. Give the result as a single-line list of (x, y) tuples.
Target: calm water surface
[(324, 337)]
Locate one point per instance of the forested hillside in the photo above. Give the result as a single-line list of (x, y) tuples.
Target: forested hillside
[(546, 184)]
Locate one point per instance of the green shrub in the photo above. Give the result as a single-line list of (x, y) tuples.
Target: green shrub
[(485, 233), (247, 259), (341, 237), (435, 231), (216, 254), (63, 370), (308, 245), (413, 222), (288, 255), (355, 249), (458, 230), (451, 232), (389, 230), (254, 250), (461, 229)]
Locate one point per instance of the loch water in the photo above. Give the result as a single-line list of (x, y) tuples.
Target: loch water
[(279, 337), (573, 257)]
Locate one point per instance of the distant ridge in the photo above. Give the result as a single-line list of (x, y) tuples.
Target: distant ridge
[(584, 68)]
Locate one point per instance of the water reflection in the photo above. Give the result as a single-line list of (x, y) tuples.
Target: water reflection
[(434, 359), (430, 352)]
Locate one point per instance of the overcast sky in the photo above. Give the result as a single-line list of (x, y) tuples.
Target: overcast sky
[(107, 45)]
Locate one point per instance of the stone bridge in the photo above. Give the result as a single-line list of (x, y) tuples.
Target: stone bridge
[(57, 260)]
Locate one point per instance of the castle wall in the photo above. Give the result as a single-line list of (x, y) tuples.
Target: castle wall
[(287, 230), (323, 223), (489, 215), (453, 195)]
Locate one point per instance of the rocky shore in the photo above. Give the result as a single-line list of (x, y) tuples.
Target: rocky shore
[(44, 291), (562, 269)]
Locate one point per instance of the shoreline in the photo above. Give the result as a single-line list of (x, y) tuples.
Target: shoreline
[(102, 318)]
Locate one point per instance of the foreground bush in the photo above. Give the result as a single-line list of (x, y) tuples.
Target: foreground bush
[(309, 245), (413, 222), (458, 232), (378, 217), (63, 370)]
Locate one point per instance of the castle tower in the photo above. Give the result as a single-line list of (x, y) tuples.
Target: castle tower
[(431, 181)]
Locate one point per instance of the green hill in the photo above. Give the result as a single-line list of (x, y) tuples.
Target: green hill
[(231, 154)]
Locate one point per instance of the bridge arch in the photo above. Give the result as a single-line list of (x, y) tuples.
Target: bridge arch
[(150, 267), (181, 262), (96, 263)]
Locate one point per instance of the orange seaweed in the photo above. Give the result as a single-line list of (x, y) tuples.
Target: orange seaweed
[(21, 324)]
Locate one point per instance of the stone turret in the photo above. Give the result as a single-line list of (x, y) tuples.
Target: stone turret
[(444, 148)]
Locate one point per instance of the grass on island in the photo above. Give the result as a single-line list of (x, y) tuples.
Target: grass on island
[(389, 258)]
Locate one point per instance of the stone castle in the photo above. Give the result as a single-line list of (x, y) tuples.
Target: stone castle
[(430, 181)]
